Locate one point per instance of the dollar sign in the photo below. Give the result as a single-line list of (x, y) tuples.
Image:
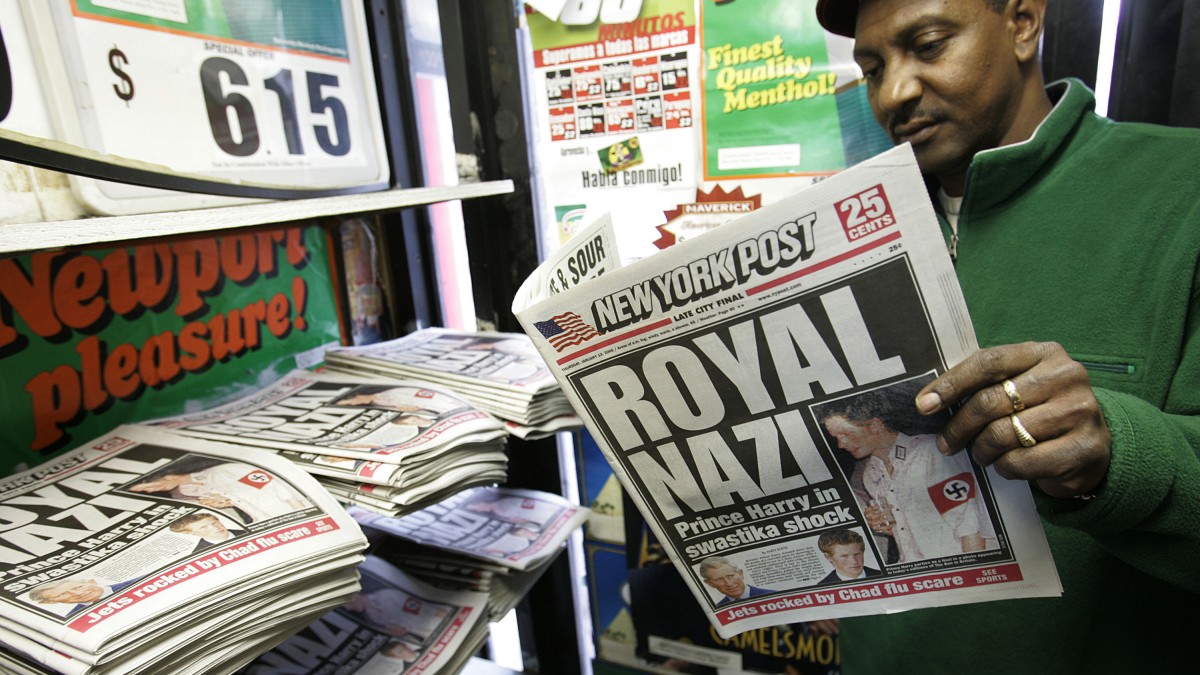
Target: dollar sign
[(116, 59)]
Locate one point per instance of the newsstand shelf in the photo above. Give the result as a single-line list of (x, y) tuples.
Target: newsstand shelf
[(28, 237)]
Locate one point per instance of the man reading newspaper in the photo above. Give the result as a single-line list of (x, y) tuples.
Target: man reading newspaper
[(718, 378)]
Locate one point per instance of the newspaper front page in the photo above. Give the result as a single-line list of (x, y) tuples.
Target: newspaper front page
[(341, 416), (395, 624), (753, 390), (501, 373), (388, 444), (142, 532), (512, 527), (501, 362)]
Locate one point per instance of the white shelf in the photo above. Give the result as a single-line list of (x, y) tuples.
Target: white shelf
[(29, 237)]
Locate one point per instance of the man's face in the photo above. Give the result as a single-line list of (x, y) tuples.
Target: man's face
[(847, 559), (209, 528), (726, 579), (942, 75), (76, 591), (861, 439)]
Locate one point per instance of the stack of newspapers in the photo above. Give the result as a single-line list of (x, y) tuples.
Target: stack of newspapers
[(395, 624), (495, 540), (146, 552), (501, 373), (388, 445)]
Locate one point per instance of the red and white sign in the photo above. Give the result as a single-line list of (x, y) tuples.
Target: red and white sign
[(865, 213)]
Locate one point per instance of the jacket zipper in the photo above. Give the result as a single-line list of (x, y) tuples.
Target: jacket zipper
[(1122, 368)]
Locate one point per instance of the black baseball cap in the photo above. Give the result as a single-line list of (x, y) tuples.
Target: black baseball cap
[(838, 16)]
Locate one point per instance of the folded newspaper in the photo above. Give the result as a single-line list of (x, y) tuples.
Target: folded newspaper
[(144, 551), (753, 388), (395, 624), (501, 373), (510, 527), (495, 540), (388, 445)]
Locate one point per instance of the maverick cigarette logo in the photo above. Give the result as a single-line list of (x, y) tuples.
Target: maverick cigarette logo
[(772, 250)]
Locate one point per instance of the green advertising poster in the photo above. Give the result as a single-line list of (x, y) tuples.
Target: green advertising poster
[(314, 26), (93, 339), (770, 108), (595, 29)]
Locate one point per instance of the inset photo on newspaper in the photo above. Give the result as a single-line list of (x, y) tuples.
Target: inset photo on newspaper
[(845, 549), (919, 505), (245, 493), (419, 408), (398, 612), (395, 624), (143, 528)]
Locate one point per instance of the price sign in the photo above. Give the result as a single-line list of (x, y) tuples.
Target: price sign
[(649, 111), (272, 91), (562, 123), (619, 117), (589, 83), (645, 75), (22, 106), (677, 110)]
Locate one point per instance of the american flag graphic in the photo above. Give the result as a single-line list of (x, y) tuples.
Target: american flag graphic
[(566, 330)]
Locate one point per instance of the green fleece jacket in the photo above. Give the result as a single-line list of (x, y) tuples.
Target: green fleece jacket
[(1088, 234)]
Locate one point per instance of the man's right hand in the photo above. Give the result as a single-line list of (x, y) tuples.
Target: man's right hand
[(878, 520)]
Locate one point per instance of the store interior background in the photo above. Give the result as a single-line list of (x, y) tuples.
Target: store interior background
[(459, 264), (1139, 57)]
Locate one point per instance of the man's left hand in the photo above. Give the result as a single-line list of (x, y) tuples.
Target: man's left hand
[(1073, 445)]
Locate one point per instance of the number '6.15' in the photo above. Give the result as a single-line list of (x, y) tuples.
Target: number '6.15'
[(219, 103)]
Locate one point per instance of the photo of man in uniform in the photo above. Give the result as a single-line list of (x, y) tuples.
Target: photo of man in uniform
[(512, 542), (392, 611), (245, 492), (419, 407), (516, 509), (928, 503), (420, 401)]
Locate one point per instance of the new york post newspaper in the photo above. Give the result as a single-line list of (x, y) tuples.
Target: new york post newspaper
[(740, 382), (131, 550)]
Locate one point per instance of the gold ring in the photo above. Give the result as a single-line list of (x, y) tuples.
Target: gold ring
[(1011, 390), (1023, 436)]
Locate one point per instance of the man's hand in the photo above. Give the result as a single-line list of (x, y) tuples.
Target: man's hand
[(215, 500), (973, 542), (825, 627), (1073, 446), (879, 520)]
